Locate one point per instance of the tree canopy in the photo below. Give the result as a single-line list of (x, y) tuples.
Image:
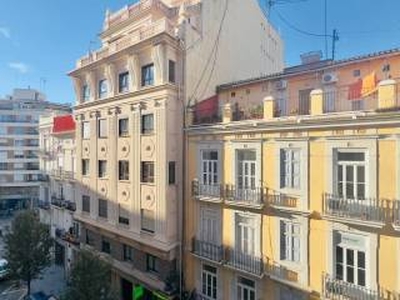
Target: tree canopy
[(28, 247), (90, 279)]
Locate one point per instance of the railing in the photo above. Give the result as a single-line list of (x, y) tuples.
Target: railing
[(369, 210), (44, 205), (158, 27), (67, 236), (396, 214), (340, 290), (244, 262), (63, 174), (282, 200), (206, 190), (62, 203), (274, 269), (207, 250), (248, 112), (244, 195)]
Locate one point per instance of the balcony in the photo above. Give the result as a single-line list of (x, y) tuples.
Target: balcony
[(341, 290), (62, 203), (372, 211), (279, 272), (207, 192), (158, 27), (244, 262), (63, 175), (207, 250), (396, 215), (282, 201), (247, 196), (68, 236), (44, 205)]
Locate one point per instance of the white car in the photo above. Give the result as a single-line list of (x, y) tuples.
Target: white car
[(3, 268)]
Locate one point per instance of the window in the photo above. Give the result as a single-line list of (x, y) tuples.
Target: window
[(102, 168), (88, 237), (290, 168), (289, 241), (105, 246), (85, 167), (85, 130), (123, 215), (350, 260), (304, 102), (356, 73), (148, 222), (102, 88), (127, 253), (171, 71), (350, 175), (209, 226), (151, 263), (85, 93), (246, 289), (209, 167), (246, 169), (86, 204), (3, 166), (124, 82), (147, 172), (233, 94), (245, 235), (148, 75), (103, 213), (171, 172), (147, 124), (123, 170), (209, 282), (123, 127), (102, 128)]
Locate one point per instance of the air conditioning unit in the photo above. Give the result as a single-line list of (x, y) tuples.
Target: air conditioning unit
[(329, 78), (281, 84)]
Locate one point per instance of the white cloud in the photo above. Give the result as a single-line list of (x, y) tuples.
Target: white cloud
[(5, 32), (19, 66)]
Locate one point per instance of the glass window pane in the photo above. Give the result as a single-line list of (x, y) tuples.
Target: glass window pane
[(361, 259), (360, 174), (350, 257), (339, 254), (361, 277), (350, 274)]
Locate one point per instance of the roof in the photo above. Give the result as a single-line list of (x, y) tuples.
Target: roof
[(319, 65), (63, 124)]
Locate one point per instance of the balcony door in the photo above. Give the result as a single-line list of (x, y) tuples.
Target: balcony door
[(246, 175), (209, 226), (209, 177), (350, 265), (245, 236), (246, 289), (304, 101), (351, 175)]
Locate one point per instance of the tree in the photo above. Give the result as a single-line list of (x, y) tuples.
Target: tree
[(90, 279), (28, 247)]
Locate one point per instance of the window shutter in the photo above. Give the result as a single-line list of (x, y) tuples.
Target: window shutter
[(296, 169), (283, 240), (282, 168)]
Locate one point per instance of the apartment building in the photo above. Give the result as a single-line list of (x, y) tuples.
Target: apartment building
[(295, 185), (20, 175), (156, 57), (57, 191)]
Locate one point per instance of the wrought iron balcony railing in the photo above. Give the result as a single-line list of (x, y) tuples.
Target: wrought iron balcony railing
[(62, 203), (282, 200), (235, 193), (207, 250), (44, 205), (367, 210), (340, 290), (244, 262), (63, 174), (278, 271)]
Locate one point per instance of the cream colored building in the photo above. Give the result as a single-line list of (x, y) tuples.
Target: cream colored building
[(57, 190), (155, 57)]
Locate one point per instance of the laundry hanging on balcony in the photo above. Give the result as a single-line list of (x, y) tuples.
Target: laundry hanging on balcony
[(363, 87)]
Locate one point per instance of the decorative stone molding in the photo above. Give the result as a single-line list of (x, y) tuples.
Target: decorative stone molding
[(79, 117), (134, 72), (94, 114), (111, 79), (91, 82), (114, 111), (137, 107), (158, 55)]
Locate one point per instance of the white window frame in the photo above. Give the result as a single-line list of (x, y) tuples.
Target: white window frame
[(256, 224), (208, 273), (369, 145), (351, 163), (102, 130), (287, 165), (217, 146), (210, 214), (371, 251), (287, 230), (242, 286)]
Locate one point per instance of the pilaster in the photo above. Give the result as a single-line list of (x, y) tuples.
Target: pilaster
[(135, 200), (93, 158), (134, 72), (113, 165), (160, 66)]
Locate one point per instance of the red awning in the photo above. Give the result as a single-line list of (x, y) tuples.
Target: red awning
[(63, 124)]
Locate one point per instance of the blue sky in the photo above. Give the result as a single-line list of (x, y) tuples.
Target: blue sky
[(40, 40)]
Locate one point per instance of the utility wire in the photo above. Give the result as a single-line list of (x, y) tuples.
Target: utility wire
[(284, 20), (214, 51)]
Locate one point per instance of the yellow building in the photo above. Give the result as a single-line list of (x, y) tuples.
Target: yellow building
[(293, 188)]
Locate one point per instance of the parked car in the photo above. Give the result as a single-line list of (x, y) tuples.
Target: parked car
[(4, 271)]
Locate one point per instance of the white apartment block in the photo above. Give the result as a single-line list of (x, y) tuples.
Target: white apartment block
[(20, 175), (157, 58), (57, 192)]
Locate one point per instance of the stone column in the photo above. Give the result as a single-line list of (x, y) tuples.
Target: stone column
[(91, 82), (135, 198), (227, 113), (160, 65), (317, 102), (387, 97), (113, 165), (111, 80), (78, 89), (78, 169), (93, 165), (134, 72), (161, 167), (269, 108)]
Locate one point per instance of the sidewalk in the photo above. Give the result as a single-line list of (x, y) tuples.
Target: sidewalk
[(52, 281)]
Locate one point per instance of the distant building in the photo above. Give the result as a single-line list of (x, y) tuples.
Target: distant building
[(156, 57), (57, 192), (20, 175), (295, 187)]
